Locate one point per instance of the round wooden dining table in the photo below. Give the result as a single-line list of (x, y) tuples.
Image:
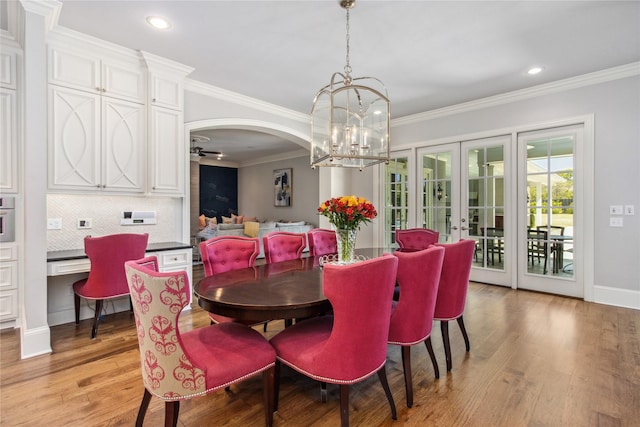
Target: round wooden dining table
[(282, 290)]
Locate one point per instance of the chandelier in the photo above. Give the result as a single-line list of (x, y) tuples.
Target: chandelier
[(350, 118)]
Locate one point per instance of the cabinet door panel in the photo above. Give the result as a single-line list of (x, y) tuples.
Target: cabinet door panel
[(123, 142), (123, 81), (167, 151), (74, 139), (74, 69), (166, 91)]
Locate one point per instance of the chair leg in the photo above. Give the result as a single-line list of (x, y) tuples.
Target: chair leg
[(323, 392), (444, 328), (171, 410), (146, 398), (268, 381), (382, 374), (406, 367), (432, 355), (96, 319), (276, 386), (76, 303), (464, 333), (344, 405)]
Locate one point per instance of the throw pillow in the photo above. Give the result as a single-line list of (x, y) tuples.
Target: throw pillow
[(249, 219), (239, 219), (227, 220), (202, 221)]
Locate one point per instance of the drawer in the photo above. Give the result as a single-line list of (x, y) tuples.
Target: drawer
[(8, 252), (8, 275), (59, 268), (167, 260), (8, 305)]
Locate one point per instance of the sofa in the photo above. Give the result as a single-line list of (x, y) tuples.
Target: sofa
[(248, 228)]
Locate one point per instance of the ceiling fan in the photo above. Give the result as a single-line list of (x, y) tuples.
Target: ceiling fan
[(199, 151)]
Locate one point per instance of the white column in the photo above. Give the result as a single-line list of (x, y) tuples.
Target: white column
[(35, 333)]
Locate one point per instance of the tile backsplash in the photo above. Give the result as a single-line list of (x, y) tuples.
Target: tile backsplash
[(105, 212)]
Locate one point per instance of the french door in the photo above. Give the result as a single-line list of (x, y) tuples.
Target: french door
[(551, 222), (518, 196), (464, 195)]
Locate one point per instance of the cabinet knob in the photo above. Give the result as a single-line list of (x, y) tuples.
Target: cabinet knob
[(153, 100), (104, 90), (98, 89)]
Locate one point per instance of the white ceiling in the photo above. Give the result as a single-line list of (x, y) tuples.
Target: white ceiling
[(429, 54)]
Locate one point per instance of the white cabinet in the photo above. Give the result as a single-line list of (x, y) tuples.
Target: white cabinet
[(80, 69), (166, 91), (8, 282), (95, 142), (8, 141), (166, 151), (8, 121)]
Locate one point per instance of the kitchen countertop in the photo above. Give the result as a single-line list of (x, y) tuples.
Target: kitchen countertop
[(65, 255)]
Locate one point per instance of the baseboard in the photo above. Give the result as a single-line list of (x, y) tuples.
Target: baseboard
[(627, 298), (35, 342)]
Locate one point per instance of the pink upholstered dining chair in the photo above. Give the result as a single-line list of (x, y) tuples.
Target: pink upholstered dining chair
[(350, 345), (178, 366), (322, 242), (452, 292), (412, 316), (107, 278), (283, 246), (416, 238), (225, 253)]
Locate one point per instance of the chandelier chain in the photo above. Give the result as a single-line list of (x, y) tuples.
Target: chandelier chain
[(347, 67)]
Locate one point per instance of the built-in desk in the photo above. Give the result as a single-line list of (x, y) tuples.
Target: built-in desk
[(172, 256), (65, 267)]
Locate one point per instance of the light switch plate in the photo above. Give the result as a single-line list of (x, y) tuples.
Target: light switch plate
[(615, 210)]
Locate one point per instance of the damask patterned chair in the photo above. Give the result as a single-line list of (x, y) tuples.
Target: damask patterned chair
[(107, 278), (283, 246), (452, 292), (416, 238), (178, 366), (412, 316), (322, 242), (350, 345)]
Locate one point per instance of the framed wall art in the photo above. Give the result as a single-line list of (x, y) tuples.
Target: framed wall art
[(283, 184)]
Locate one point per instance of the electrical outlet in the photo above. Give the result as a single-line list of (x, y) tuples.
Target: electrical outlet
[(84, 223), (615, 221), (629, 210), (54, 223)]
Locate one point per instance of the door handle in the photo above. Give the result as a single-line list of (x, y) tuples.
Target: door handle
[(464, 228), (453, 227)]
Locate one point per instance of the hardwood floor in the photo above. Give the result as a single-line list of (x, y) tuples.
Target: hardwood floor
[(535, 360)]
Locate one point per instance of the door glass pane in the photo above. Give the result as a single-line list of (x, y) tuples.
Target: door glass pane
[(435, 193), (550, 206), (486, 205), (396, 198)]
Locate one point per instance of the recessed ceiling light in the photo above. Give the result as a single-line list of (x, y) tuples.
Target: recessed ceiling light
[(158, 22), (534, 70)]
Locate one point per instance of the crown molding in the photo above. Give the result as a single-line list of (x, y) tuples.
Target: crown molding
[(247, 101), (589, 79)]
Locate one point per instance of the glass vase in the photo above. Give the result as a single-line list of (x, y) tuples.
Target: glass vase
[(346, 240)]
